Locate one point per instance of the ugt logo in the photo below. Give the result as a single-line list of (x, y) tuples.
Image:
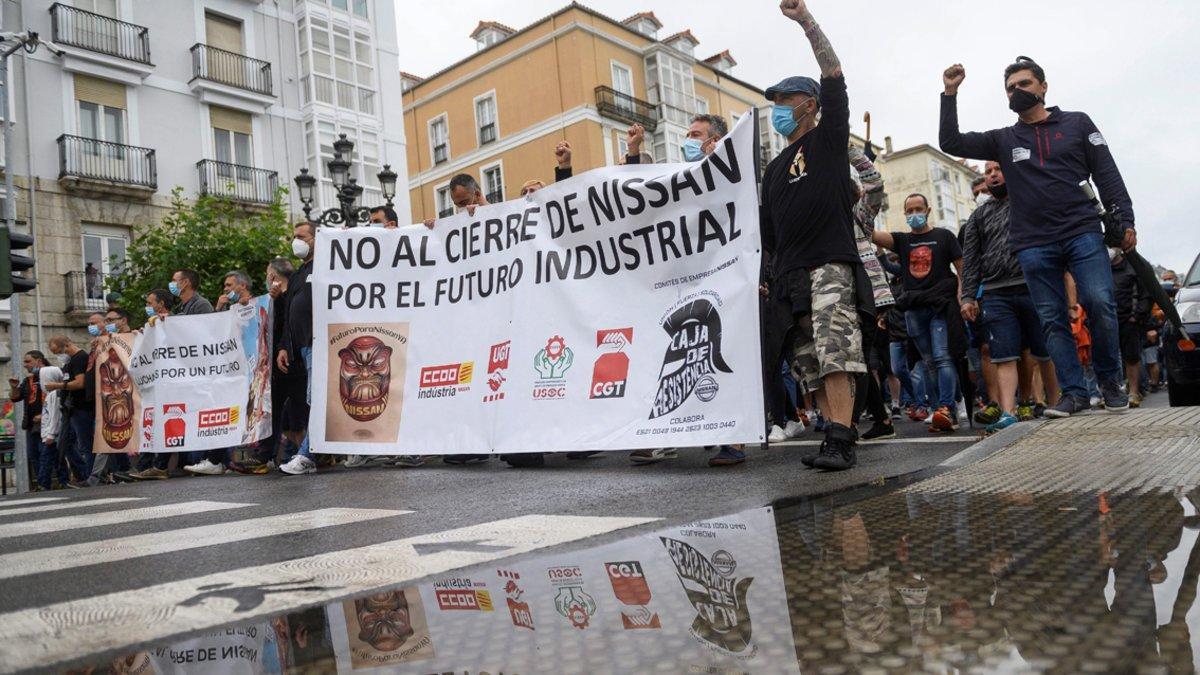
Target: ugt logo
[(693, 354)]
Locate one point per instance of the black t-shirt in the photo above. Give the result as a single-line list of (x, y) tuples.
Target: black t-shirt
[(76, 365), (807, 192), (30, 391), (925, 258)]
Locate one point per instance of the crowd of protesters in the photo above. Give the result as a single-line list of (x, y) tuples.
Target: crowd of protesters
[(1021, 313)]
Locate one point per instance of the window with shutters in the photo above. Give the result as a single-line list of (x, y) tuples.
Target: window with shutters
[(439, 138), (101, 115), (442, 201), (103, 255), (486, 120), (232, 132), (223, 33), (493, 183)]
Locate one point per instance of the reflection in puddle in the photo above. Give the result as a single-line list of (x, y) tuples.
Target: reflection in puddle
[(892, 579)]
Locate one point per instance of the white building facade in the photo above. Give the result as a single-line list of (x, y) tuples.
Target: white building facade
[(231, 97)]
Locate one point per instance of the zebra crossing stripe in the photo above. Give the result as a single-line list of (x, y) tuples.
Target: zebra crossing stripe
[(106, 518), (70, 556), (83, 503), (46, 636), (5, 503)]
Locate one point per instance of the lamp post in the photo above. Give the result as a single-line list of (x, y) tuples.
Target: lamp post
[(348, 213)]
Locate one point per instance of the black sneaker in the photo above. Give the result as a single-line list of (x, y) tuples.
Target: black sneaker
[(458, 460), (1068, 405), (809, 461), (525, 460), (838, 456), (879, 431), (1115, 398)]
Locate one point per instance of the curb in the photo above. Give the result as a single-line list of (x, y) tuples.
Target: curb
[(993, 444)]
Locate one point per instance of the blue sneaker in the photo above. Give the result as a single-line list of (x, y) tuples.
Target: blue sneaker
[(1006, 420), (728, 456)]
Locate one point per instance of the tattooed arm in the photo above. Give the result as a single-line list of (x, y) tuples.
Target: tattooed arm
[(797, 11)]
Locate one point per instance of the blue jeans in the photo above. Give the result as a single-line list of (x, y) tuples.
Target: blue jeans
[(306, 354), (1086, 258), (908, 393), (45, 459), (928, 329)]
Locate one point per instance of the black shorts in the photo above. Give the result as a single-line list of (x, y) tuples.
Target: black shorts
[(1131, 343)]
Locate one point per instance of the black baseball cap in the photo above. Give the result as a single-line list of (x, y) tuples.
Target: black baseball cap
[(797, 84)]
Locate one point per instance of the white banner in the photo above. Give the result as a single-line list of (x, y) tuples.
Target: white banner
[(204, 380), (613, 311)]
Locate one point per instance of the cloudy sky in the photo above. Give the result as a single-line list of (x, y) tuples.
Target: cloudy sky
[(1130, 65)]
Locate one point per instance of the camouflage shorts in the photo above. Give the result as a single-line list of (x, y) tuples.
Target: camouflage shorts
[(828, 339)]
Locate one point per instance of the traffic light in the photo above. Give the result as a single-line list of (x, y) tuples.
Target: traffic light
[(11, 263)]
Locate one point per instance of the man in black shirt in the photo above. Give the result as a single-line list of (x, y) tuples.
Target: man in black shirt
[(807, 196), (30, 392), (930, 287), (78, 414)]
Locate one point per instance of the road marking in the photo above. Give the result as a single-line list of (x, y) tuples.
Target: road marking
[(60, 558), (45, 636), (4, 503), (81, 504), (112, 518), (917, 441)]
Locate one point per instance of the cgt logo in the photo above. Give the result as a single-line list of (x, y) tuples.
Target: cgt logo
[(175, 428), (218, 417), (612, 367)]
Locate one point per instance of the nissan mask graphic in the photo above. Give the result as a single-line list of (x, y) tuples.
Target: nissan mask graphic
[(366, 368), (116, 400)]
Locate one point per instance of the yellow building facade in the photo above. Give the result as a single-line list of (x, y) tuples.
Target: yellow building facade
[(575, 75), (923, 169)]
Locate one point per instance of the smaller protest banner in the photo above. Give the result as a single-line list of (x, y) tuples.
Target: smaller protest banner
[(118, 402)]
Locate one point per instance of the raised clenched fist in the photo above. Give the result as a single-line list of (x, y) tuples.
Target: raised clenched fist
[(953, 77), (634, 137), (794, 9), (562, 153)]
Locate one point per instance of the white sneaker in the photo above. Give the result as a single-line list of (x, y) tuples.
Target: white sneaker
[(653, 456), (205, 468), (793, 429), (777, 435), (359, 461), (962, 411), (299, 465)]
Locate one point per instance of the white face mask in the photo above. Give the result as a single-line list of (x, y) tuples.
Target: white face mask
[(301, 249), (981, 198)]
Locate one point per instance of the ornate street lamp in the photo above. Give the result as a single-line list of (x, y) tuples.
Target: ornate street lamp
[(348, 213)]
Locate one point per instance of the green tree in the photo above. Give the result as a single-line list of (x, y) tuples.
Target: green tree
[(212, 235)]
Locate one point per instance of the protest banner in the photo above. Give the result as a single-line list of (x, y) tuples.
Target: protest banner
[(612, 311), (204, 380), (118, 401)]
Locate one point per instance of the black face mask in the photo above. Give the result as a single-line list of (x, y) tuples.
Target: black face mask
[(999, 191), (1022, 100)]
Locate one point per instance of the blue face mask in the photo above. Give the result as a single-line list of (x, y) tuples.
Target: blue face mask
[(93, 330), (110, 327), (917, 220), (174, 288), (233, 296), (150, 311), (781, 119), (692, 150)]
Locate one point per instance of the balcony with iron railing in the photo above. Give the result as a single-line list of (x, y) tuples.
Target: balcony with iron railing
[(86, 291), (231, 69), (620, 106), (240, 183), (87, 163), (75, 27)]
